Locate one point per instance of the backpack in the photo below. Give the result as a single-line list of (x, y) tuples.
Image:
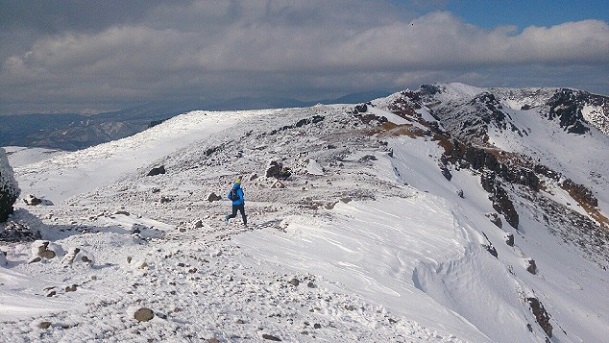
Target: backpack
[(233, 195)]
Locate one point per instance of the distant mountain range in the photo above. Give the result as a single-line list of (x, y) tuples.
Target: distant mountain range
[(73, 131)]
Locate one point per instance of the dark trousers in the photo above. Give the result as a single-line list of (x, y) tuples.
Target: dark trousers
[(240, 208)]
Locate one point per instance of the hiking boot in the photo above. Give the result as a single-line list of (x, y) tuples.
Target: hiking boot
[(226, 218)]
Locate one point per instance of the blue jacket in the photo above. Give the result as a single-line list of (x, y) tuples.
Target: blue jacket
[(241, 199)]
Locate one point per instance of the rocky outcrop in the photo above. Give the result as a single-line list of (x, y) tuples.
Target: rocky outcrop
[(9, 190), (566, 106), (541, 315), (15, 231), (273, 169), (580, 193), (504, 205), (466, 155)]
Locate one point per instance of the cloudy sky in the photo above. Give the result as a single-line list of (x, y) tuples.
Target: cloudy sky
[(91, 56)]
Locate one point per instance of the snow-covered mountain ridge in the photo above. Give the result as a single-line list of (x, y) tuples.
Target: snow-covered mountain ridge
[(446, 214)]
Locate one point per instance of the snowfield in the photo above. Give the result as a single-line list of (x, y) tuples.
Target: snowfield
[(366, 241)]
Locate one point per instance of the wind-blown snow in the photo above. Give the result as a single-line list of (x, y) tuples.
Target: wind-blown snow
[(360, 245)]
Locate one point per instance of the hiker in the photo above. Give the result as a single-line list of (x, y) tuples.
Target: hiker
[(237, 197)]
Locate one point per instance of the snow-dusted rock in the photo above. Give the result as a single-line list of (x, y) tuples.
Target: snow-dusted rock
[(17, 231), (45, 250), (9, 189), (78, 256)]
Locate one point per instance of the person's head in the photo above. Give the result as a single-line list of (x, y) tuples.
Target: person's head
[(237, 182)]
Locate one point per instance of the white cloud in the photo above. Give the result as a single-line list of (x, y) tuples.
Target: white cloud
[(228, 48)]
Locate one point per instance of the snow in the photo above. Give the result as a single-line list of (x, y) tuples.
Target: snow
[(24, 156), (359, 246), (582, 158), (456, 90)]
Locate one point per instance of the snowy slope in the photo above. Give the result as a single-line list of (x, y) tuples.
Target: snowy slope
[(367, 240)]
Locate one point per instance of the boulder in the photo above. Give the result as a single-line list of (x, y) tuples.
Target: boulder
[(45, 250), (361, 108), (143, 314), (213, 197), (156, 171), (274, 169), (532, 266), (31, 200)]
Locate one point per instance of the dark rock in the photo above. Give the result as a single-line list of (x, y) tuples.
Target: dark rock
[(446, 172), (541, 315), (491, 249), (306, 121), (361, 108), (294, 282), (274, 169), (144, 314), (213, 150), (566, 105), (271, 337), (44, 325), (9, 191), (213, 197), (156, 171), (503, 204), (372, 119), (487, 180), (509, 239), (317, 119), (547, 172), (532, 267), (367, 159), (32, 200), (580, 193), (13, 231), (495, 219), (489, 246)]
